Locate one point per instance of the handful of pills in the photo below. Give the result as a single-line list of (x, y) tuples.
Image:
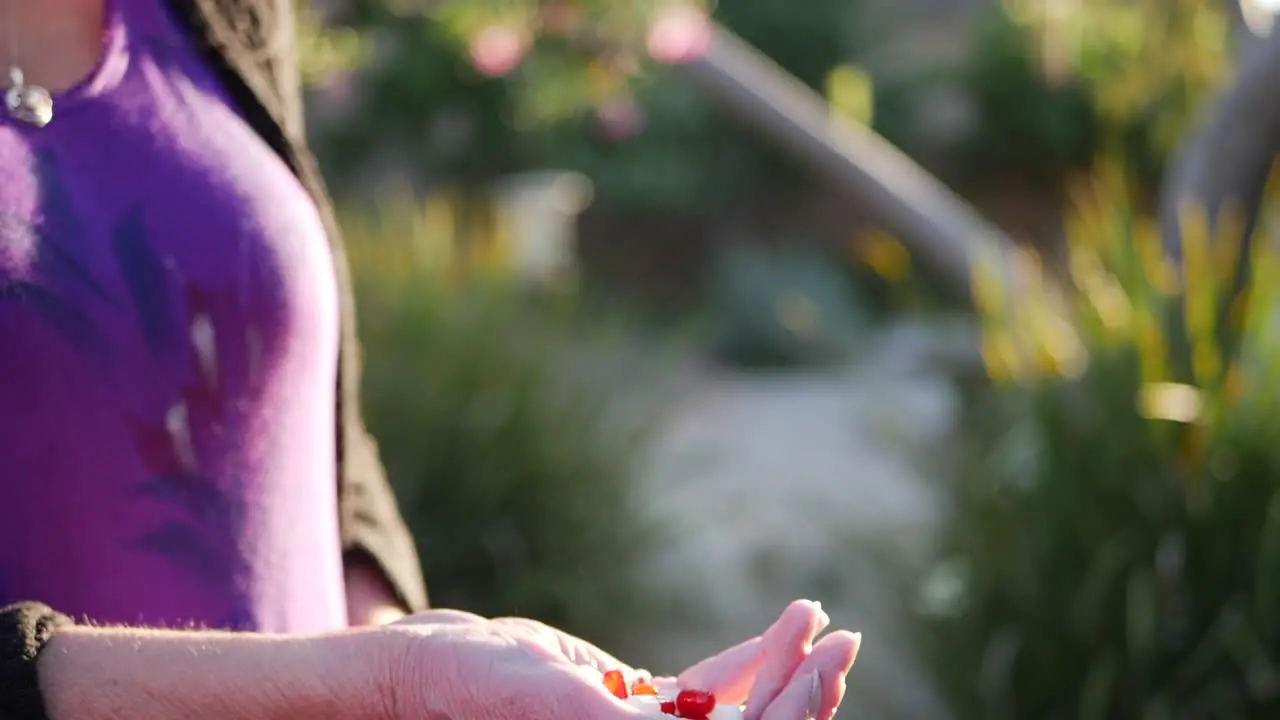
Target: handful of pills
[(689, 704)]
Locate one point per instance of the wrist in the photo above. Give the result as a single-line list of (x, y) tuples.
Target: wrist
[(358, 668), (147, 674)]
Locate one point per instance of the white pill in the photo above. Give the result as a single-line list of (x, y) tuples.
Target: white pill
[(650, 704), (726, 712)]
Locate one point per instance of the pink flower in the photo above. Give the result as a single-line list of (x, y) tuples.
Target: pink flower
[(498, 49), (620, 119), (336, 94), (680, 35)]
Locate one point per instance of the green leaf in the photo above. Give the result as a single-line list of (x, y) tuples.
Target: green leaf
[(1266, 596), (1098, 688), (1096, 594)]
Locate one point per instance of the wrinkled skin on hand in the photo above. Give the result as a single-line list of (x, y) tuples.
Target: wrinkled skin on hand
[(458, 666)]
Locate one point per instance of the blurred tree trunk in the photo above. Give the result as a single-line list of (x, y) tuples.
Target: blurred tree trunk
[(1224, 164)]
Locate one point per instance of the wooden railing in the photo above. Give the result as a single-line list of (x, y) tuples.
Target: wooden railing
[(944, 234)]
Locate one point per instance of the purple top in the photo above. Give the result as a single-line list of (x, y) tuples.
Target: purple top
[(168, 355)]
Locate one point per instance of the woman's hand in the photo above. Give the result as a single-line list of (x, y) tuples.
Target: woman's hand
[(457, 665), (438, 665)]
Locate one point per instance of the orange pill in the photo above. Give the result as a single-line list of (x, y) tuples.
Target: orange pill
[(616, 684)]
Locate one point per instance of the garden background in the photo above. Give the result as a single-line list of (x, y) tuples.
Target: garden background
[(640, 369)]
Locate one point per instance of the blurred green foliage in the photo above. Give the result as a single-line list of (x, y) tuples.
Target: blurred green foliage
[(419, 102), (782, 308), (1058, 84), (1054, 84), (1148, 64), (515, 450), (1025, 123), (585, 99), (1114, 548)]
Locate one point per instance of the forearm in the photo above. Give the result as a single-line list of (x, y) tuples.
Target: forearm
[(89, 673)]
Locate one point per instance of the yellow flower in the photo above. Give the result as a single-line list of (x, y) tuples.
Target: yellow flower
[(1000, 356), (885, 255), (1175, 402)]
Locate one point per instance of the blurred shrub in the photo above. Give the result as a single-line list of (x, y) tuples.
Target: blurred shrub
[(1054, 84), (415, 107), (1025, 123), (1114, 549), (782, 307), (1059, 83), (515, 452), (1149, 64), (584, 98), (675, 160)]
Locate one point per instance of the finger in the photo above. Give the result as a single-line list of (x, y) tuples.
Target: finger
[(786, 644), (818, 686), (730, 674)]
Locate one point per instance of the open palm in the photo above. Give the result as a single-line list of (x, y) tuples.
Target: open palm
[(463, 667)]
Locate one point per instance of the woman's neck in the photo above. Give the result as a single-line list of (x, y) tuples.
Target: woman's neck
[(56, 43)]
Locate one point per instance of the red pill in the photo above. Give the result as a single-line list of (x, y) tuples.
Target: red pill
[(668, 707), (616, 683), (695, 703)]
